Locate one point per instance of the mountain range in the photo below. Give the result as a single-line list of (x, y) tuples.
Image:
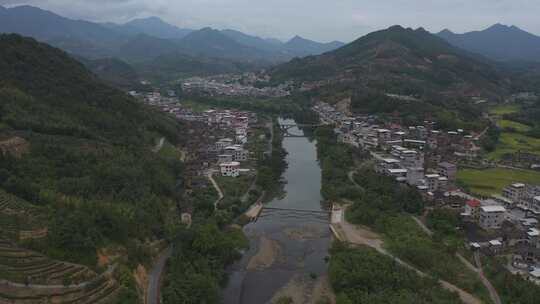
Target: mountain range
[(402, 61), (498, 42), (149, 38)]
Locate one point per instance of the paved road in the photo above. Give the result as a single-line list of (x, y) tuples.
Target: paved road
[(153, 295)]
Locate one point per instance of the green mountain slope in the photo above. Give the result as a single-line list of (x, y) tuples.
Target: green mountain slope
[(82, 151), (402, 61), (114, 71)]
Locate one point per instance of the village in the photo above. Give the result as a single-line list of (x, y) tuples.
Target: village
[(222, 145), (421, 156), (504, 224), (246, 85)]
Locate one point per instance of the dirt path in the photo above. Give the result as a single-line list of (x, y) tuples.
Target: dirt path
[(359, 235), (159, 145), (422, 226), (218, 189), (492, 291)]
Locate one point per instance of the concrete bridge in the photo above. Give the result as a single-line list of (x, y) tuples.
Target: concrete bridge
[(286, 127)]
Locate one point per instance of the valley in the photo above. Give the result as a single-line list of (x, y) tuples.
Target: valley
[(147, 162)]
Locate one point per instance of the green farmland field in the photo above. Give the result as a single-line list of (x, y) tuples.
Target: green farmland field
[(519, 127), (492, 181), (514, 142)]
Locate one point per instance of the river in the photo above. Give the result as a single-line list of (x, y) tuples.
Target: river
[(287, 247)]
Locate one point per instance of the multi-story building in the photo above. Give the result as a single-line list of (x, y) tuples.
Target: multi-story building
[(432, 182), (223, 143), (399, 174), (383, 136), (448, 170), (535, 204), (238, 153), (415, 176), (412, 159), (225, 158), (491, 217), (442, 184), (472, 210), (515, 193), (231, 169), (383, 165)]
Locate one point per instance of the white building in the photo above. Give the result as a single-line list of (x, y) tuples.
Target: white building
[(515, 192), (384, 164), (399, 174), (231, 169), (238, 153), (535, 204), (449, 170), (383, 135), (225, 158), (223, 143), (442, 183), (432, 182), (415, 176), (412, 159), (491, 217)]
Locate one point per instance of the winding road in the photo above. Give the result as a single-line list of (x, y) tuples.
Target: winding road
[(153, 295)]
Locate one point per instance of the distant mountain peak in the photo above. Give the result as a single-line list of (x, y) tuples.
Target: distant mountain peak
[(446, 32), (297, 38), (148, 20), (208, 29), (391, 54), (396, 27), (499, 42)]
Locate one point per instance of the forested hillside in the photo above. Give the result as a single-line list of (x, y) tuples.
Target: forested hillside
[(76, 159), (401, 61)]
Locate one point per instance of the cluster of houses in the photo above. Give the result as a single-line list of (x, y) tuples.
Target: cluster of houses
[(229, 155), (229, 128), (426, 158), (524, 196), (415, 155), (233, 85)]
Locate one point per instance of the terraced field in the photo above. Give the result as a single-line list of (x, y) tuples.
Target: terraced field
[(19, 219), (33, 278), (23, 266), (101, 291)]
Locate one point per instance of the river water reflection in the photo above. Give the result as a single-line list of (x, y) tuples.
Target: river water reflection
[(287, 246)]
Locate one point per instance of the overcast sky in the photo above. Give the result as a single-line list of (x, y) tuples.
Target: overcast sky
[(323, 20)]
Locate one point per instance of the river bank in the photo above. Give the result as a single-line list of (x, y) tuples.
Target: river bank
[(288, 248)]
